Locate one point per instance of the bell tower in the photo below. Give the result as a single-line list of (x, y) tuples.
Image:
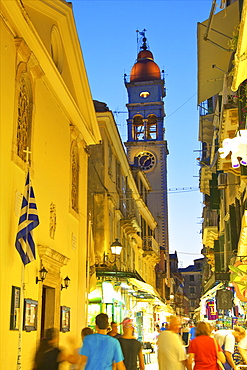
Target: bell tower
[(146, 145)]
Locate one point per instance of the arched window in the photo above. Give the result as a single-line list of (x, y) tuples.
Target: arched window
[(74, 177), (152, 127), (138, 128), (56, 48), (24, 115)]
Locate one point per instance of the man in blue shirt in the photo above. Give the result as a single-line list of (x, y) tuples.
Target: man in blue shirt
[(100, 351), (163, 327), (192, 331)]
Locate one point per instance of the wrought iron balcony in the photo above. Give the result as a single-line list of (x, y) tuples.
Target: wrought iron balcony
[(150, 245), (210, 227), (131, 217), (210, 217)]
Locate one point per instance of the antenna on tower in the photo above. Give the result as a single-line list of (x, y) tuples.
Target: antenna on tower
[(141, 40), (137, 41)]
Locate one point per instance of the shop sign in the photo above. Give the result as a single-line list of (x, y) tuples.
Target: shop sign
[(108, 292), (238, 278), (110, 295), (224, 299)]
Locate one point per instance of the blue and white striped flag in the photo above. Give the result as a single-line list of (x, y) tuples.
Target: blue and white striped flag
[(27, 222)]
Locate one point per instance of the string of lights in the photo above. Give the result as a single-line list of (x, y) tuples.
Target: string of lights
[(212, 251), (182, 190), (192, 254), (169, 115)]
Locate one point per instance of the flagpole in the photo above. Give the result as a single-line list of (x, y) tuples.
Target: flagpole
[(19, 353), (21, 318)]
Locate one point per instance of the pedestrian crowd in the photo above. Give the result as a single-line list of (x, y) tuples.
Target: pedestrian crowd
[(201, 347), (195, 348), (104, 350)]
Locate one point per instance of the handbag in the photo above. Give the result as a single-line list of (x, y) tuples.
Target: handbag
[(220, 365)]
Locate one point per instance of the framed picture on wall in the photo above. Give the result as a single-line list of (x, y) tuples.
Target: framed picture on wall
[(30, 315), (65, 319), (15, 308)]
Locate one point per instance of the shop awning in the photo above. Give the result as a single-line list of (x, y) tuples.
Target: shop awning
[(105, 272), (150, 293), (144, 287), (240, 59), (95, 296), (212, 291), (215, 51)]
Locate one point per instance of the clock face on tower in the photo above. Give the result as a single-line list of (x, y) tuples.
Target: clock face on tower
[(147, 160)]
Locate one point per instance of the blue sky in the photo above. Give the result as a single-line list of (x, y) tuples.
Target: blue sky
[(107, 32)]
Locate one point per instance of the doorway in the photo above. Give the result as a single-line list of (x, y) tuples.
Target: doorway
[(48, 309)]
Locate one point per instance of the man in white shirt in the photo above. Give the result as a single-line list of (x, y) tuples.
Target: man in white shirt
[(171, 353), (226, 339)]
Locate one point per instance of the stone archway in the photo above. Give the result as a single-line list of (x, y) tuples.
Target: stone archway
[(50, 290)]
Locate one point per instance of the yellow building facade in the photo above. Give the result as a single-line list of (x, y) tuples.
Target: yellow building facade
[(222, 132), (47, 122), (117, 204)]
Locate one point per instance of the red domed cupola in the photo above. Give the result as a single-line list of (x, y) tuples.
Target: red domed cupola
[(145, 54), (145, 69)]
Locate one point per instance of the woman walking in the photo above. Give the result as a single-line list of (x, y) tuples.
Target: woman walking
[(48, 355), (204, 350)]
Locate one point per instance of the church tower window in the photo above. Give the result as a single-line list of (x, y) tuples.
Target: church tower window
[(74, 177), (152, 127), (138, 127), (24, 119)]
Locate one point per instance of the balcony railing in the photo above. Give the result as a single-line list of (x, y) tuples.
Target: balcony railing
[(151, 245), (129, 208), (131, 216), (211, 218), (206, 107), (210, 227)]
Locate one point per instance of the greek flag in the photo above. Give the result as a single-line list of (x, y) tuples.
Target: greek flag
[(27, 222)]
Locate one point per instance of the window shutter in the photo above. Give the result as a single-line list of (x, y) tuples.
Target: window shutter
[(219, 254), (233, 228), (167, 292), (243, 170), (238, 216), (214, 193), (242, 102)]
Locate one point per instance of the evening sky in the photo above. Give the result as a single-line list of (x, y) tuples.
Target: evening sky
[(108, 37)]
